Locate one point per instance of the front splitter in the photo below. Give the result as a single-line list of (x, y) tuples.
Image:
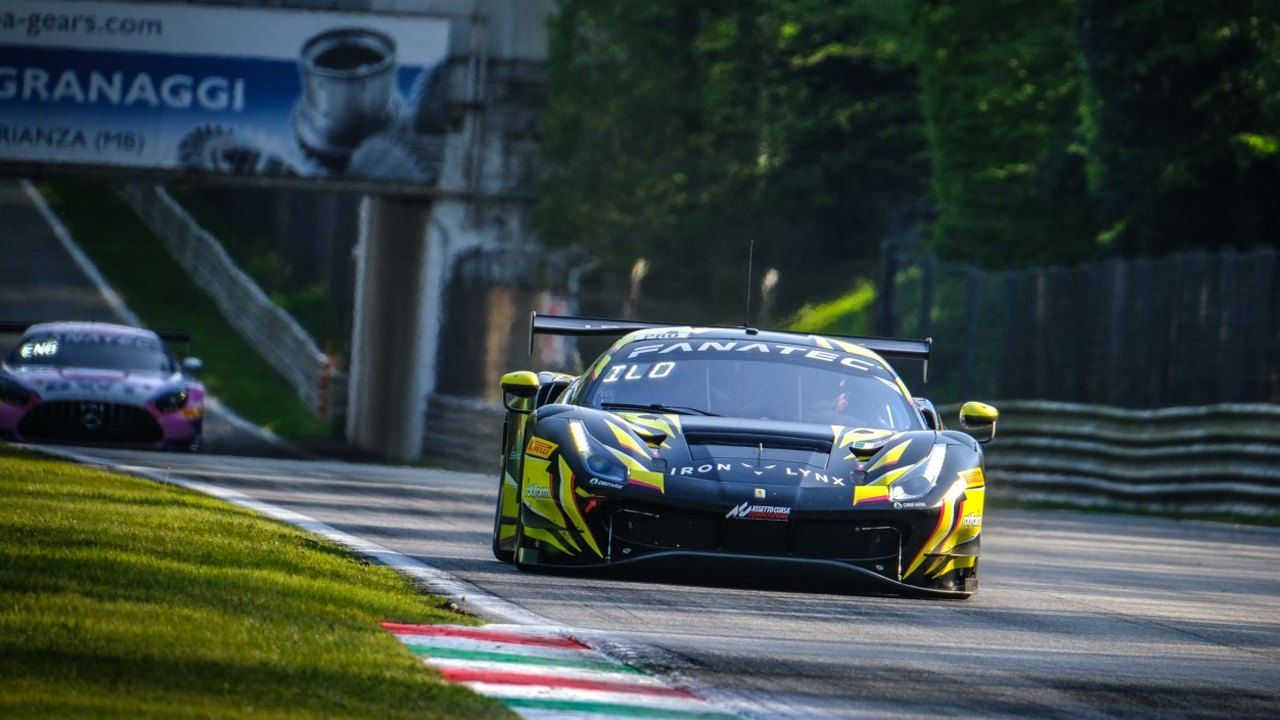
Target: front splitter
[(706, 568)]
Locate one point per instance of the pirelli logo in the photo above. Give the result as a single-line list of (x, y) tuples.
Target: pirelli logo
[(973, 478), (540, 448)]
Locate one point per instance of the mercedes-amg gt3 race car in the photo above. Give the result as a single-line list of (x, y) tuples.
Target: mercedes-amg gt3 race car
[(699, 445), (99, 384)]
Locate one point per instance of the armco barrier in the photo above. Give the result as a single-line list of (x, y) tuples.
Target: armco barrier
[(271, 331), (1209, 458)]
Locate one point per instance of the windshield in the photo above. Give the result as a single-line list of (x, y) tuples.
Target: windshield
[(752, 380), (90, 350)]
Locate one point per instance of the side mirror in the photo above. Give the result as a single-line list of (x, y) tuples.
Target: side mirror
[(930, 413), (518, 389), (552, 385), (192, 367), (979, 420)]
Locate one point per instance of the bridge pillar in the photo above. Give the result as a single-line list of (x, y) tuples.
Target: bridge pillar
[(386, 382)]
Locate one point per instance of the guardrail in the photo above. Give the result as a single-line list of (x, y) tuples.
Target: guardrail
[(273, 333), (464, 432), (1203, 459)]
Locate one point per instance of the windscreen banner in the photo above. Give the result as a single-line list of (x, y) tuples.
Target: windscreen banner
[(268, 93)]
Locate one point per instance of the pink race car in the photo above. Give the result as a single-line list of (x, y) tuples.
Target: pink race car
[(99, 384)]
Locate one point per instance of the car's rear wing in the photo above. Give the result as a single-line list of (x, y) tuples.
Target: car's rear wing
[(598, 327), (14, 328)]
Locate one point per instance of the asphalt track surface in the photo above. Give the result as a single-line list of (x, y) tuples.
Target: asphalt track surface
[(1079, 615)]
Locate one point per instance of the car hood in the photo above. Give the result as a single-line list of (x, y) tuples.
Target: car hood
[(769, 452), (91, 384)]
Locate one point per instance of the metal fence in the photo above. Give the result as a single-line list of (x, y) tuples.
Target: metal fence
[(273, 333), (1192, 328)]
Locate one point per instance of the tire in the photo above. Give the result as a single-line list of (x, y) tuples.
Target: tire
[(506, 556)]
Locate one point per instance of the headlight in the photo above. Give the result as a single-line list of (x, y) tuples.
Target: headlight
[(172, 401), (13, 394), (598, 460), (916, 484)]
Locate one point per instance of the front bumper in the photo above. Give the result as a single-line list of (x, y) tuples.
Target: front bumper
[(864, 548), (91, 422)]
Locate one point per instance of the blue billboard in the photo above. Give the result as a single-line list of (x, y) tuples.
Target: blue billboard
[(266, 93)]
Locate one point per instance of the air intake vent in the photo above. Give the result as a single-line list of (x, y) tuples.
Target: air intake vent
[(806, 444)]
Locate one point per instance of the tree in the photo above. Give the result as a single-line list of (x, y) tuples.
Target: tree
[(680, 131), (1000, 92), (1186, 96)]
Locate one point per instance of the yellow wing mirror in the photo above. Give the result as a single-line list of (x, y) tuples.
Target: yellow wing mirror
[(518, 389), (979, 420)]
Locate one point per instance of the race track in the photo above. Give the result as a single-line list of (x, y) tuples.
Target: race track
[(1079, 615)]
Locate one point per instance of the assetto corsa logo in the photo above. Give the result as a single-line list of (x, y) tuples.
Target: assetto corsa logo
[(747, 511)]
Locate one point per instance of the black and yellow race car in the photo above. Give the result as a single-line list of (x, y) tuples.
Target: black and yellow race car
[(724, 446)]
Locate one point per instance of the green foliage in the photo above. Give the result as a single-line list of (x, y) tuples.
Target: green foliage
[(1040, 132), (681, 131), (1001, 90), (125, 598), (308, 302), (1187, 101), (846, 315)]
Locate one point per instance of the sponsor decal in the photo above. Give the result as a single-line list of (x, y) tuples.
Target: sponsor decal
[(807, 474), (540, 448), (908, 505), (760, 493), (973, 478), (605, 483), (746, 511), (199, 88), (870, 493), (972, 520), (537, 492)]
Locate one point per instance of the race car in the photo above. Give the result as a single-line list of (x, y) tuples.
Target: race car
[(721, 447), (99, 384)]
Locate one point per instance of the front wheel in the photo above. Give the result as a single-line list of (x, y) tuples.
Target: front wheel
[(503, 554)]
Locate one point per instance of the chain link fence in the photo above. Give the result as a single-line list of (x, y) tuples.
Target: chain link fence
[(1191, 328)]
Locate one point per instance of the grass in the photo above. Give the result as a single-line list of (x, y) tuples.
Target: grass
[(125, 598), (137, 265), (309, 304)]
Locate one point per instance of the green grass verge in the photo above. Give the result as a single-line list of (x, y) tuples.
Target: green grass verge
[(126, 598), (154, 286)]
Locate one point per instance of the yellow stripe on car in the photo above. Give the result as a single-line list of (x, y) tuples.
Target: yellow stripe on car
[(570, 505)]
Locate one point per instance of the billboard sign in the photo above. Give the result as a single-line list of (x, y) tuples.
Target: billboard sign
[(268, 93)]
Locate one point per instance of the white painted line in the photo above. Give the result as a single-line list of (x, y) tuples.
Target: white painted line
[(541, 692), (620, 676), (468, 644)]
